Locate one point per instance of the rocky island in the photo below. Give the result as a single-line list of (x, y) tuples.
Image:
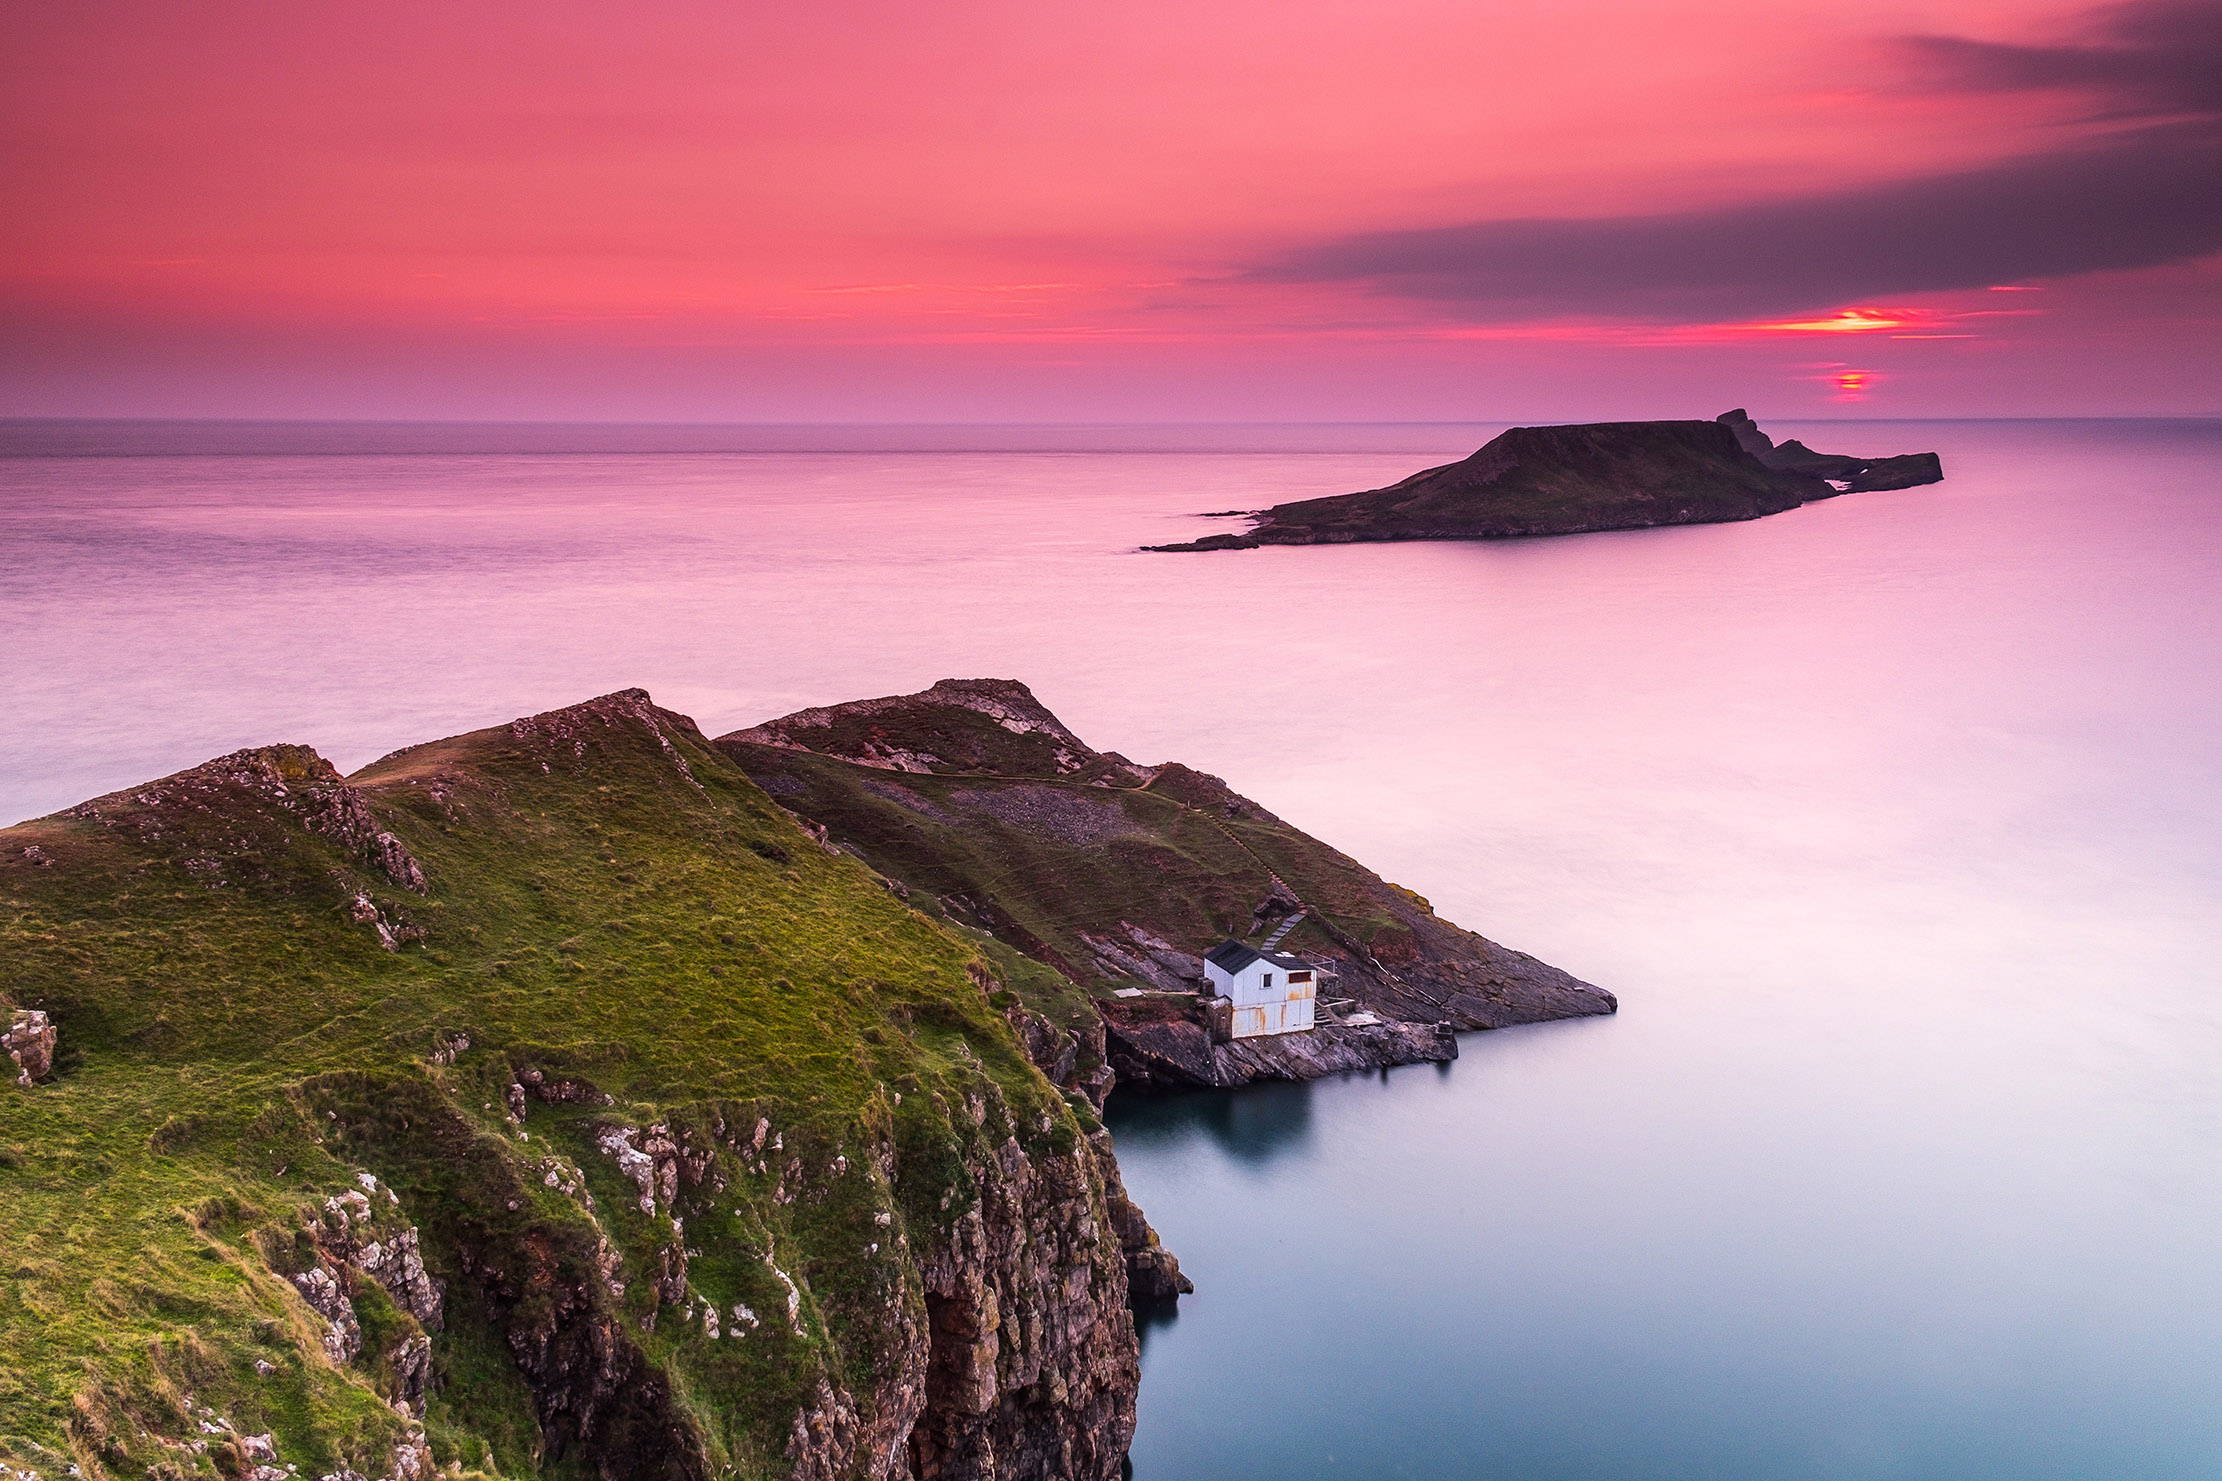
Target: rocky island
[(1578, 479), (583, 1098)]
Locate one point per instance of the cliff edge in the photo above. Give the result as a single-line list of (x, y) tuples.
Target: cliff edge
[(540, 1102)]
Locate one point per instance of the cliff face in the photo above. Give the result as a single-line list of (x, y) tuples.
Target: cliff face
[(1099, 883), (539, 1102), (1571, 480), (1845, 474)]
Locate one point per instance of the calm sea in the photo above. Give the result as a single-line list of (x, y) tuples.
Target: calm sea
[(1895, 822)]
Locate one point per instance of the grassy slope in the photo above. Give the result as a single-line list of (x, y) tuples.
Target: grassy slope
[(1167, 857), (234, 1052), (1016, 827)]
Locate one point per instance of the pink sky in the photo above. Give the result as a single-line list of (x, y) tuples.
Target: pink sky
[(1405, 209)]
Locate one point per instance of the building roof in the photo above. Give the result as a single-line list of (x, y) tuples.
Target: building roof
[(1231, 957)]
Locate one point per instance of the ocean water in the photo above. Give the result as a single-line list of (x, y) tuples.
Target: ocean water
[(1895, 822)]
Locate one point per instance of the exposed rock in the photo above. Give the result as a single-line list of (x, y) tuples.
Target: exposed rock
[(412, 1371), (1032, 1365), (572, 728), (294, 780), (1163, 1043), (553, 1296), (828, 1442), (656, 1161), (1148, 957), (1072, 1058), (327, 1297), (1152, 1272), (1851, 475), (31, 1040), (354, 1231), (1568, 480), (412, 1461), (617, 1143), (988, 726), (392, 931)]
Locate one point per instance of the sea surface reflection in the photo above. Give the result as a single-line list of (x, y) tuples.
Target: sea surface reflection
[(1895, 822)]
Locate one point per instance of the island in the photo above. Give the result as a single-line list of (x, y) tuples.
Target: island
[(581, 1097), (1578, 479)]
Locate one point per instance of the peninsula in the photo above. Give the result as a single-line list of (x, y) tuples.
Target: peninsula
[(579, 1097), (1570, 480), (1100, 884)]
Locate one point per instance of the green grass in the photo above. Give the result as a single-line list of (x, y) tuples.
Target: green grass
[(1180, 865), (234, 1053)]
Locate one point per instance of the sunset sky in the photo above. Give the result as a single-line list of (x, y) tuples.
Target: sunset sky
[(1402, 209)]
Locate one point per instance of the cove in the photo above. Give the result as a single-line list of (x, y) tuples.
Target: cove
[(1578, 1253)]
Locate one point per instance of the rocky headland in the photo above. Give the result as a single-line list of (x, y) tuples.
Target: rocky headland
[(1099, 883), (1584, 478), (540, 1102), (581, 1098)]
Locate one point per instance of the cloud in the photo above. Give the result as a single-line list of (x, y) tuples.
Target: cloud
[(2135, 197), (2161, 57)]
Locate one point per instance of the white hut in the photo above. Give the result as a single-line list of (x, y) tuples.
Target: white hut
[(1271, 993)]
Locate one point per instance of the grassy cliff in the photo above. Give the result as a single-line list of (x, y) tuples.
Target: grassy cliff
[(539, 1102), (985, 809)]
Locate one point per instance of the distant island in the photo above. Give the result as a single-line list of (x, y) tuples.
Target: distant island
[(1587, 477)]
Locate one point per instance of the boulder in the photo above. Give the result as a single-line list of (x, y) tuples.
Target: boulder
[(30, 1040)]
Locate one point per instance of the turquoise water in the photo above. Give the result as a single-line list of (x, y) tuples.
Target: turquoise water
[(1895, 822)]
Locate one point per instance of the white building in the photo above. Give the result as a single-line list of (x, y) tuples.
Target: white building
[(1271, 993)]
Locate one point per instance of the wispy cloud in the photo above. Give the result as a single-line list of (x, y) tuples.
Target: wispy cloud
[(2125, 197), (2157, 58)]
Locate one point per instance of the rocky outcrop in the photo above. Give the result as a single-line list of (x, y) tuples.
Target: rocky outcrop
[(1849, 474), (1072, 1058), (1031, 1364), (581, 727), (1152, 1272), (1570, 480), (30, 1040), (1166, 1043), (200, 814), (990, 727), (361, 1234), (326, 1295), (354, 1230), (593, 1387)]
